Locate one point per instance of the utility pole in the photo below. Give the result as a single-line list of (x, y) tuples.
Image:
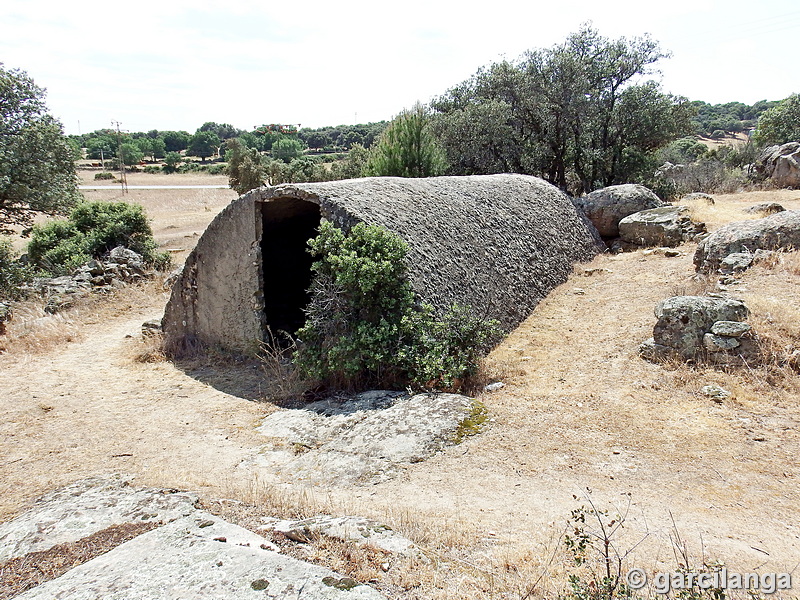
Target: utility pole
[(122, 177)]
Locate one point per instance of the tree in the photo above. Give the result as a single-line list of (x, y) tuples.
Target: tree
[(171, 162), (571, 113), (407, 148), (101, 147), (175, 141), (131, 154), (204, 144), (37, 168), (353, 165), (245, 171), (225, 131), (152, 147), (287, 148), (780, 124)]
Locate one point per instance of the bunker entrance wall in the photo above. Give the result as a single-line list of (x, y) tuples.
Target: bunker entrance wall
[(287, 225)]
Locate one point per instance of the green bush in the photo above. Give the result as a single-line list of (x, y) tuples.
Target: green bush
[(13, 273), (219, 169), (92, 229), (104, 175), (152, 169), (189, 167), (365, 328)]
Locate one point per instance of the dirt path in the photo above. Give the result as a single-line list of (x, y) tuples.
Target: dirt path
[(90, 408)]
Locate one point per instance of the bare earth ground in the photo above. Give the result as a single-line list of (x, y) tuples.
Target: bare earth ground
[(580, 410)]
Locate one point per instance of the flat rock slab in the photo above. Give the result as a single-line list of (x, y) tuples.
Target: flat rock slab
[(86, 507), (366, 439), (364, 532), (198, 556)]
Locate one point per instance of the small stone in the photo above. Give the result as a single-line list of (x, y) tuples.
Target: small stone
[(733, 329), (736, 262), (671, 253), (590, 272), (698, 197), (650, 350), (718, 343), (493, 387), (221, 539), (151, 327), (715, 392), (578, 291), (344, 584)]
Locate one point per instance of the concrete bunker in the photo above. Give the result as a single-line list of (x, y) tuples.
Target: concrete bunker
[(498, 243)]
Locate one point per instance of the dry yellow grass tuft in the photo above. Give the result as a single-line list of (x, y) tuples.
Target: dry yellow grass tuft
[(34, 331)]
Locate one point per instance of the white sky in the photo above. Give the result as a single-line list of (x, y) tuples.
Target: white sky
[(177, 64)]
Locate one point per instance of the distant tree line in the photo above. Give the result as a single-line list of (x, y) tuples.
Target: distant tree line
[(714, 120)]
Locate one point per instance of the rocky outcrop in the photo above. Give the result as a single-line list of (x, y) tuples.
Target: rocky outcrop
[(736, 262), (369, 438), (606, 207), (688, 326), (698, 197), (780, 231), (780, 164), (86, 507), (662, 226), (360, 531), (119, 267), (190, 553), (498, 243), (765, 209)]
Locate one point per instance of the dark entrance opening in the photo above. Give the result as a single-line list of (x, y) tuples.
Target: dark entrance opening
[(287, 225)]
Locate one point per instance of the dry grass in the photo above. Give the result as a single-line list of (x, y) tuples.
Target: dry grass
[(86, 177), (150, 349), (728, 208), (33, 331), (452, 562)]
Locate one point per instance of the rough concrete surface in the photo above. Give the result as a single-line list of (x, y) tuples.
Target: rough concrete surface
[(499, 243)]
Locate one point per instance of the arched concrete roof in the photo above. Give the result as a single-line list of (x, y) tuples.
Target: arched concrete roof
[(499, 243)]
